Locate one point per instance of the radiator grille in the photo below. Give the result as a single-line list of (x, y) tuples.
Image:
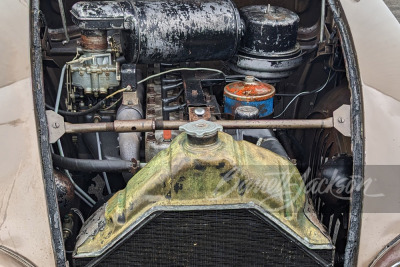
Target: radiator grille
[(210, 238)]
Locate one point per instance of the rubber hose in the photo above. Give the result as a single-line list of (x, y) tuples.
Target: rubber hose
[(91, 165), (79, 113)]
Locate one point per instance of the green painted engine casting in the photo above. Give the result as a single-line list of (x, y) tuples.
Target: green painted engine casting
[(227, 173)]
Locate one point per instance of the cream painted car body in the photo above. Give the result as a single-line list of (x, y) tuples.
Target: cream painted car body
[(24, 220), (376, 38), (25, 225)]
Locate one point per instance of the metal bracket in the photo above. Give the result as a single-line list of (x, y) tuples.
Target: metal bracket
[(56, 126), (130, 99), (341, 120)]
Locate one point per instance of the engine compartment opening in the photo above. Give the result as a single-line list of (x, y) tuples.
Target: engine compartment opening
[(125, 80)]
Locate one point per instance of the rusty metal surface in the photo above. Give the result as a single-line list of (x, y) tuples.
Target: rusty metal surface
[(195, 113), (189, 176), (152, 125), (194, 94), (249, 91), (156, 141), (58, 35), (65, 192), (94, 40)]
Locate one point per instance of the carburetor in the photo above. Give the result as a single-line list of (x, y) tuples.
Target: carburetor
[(97, 69)]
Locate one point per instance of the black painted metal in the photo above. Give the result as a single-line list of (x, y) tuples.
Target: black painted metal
[(166, 100), (357, 138), (268, 49), (128, 75), (336, 174), (91, 165), (44, 145), (269, 30), (167, 31), (98, 15)]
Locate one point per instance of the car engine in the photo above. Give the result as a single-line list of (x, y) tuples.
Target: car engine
[(198, 132)]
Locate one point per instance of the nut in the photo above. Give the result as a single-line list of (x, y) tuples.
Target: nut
[(249, 79)]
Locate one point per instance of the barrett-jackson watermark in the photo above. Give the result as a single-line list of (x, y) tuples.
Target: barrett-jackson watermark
[(279, 185)]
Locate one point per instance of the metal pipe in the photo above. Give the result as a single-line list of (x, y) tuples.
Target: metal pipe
[(64, 21), (129, 143), (277, 124), (152, 125), (60, 85), (321, 33), (101, 158)]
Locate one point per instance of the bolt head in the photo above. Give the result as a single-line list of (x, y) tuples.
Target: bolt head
[(341, 120), (56, 125), (199, 111)]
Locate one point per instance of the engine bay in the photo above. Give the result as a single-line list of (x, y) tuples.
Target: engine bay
[(206, 111)]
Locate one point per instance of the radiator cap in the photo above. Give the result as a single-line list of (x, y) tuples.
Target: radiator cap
[(201, 132)]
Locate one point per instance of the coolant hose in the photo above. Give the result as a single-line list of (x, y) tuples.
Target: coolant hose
[(270, 142), (92, 165), (265, 138)]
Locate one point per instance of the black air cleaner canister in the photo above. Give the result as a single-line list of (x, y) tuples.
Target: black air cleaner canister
[(269, 29), (268, 48)]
